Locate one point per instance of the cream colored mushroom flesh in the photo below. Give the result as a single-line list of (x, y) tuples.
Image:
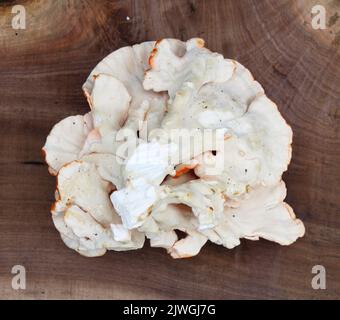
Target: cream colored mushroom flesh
[(178, 140)]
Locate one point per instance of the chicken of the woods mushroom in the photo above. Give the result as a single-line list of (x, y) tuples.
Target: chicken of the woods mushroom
[(177, 139)]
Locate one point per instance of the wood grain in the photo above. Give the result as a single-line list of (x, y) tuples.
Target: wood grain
[(42, 69)]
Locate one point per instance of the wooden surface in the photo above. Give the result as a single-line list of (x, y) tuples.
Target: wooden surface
[(42, 69)]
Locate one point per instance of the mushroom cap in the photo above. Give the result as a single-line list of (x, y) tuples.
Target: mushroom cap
[(170, 69), (66, 141), (79, 183), (189, 246), (109, 101), (262, 214)]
